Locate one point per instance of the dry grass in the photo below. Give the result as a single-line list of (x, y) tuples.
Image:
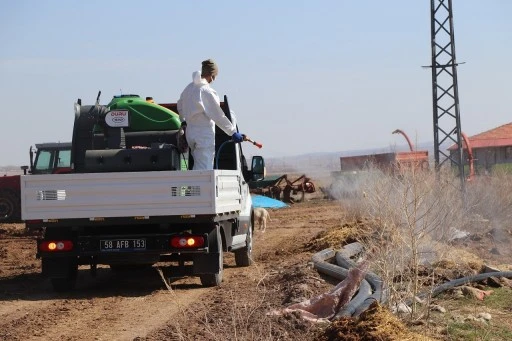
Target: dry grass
[(376, 323), (335, 237), (414, 218)]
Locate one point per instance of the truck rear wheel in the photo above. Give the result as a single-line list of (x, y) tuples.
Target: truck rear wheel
[(9, 207), (215, 242), (243, 256)]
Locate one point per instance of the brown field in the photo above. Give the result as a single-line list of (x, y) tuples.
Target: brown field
[(139, 306)]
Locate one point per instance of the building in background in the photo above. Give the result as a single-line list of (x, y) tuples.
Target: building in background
[(394, 163), (489, 151)]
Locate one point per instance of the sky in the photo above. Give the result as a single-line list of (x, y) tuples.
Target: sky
[(302, 76)]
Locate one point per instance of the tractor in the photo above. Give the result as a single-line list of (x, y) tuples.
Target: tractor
[(45, 158)]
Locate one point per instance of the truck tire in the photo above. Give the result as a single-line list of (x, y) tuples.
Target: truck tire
[(214, 279), (9, 207), (243, 256)]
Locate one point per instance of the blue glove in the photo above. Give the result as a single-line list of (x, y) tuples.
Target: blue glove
[(237, 137)]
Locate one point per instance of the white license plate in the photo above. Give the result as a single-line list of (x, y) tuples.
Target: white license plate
[(122, 244)]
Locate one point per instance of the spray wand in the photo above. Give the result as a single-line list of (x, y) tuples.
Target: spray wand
[(257, 144)]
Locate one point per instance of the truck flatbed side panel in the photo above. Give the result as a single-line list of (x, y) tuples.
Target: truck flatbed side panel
[(130, 194)]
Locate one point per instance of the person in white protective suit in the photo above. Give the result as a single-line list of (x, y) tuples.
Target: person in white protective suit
[(199, 109)]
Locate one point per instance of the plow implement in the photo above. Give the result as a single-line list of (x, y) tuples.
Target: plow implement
[(281, 188)]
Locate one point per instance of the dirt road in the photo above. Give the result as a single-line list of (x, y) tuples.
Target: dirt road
[(139, 306)]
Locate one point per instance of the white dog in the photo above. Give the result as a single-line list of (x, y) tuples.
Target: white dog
[(260, 217)]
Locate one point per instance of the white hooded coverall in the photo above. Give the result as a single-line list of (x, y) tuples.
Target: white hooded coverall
[(199, 106)]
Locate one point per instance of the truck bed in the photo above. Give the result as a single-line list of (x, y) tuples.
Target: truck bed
[(130, 194)]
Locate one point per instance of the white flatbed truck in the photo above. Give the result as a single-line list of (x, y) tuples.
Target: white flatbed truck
[(131, 204)]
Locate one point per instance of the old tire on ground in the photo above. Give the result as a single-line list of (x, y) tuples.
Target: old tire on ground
[(243, 256), (9, 207), (214, 279)]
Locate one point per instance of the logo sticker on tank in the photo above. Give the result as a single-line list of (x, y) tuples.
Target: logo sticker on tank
[(117, 118)]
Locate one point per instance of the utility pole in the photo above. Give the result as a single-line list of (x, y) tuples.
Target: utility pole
[(445, 93)]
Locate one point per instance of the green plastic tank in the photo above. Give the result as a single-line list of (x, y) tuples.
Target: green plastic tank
[(145, 115)]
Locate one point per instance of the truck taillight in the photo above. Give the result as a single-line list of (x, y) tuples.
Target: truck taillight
[(56, 245), (189, 241)]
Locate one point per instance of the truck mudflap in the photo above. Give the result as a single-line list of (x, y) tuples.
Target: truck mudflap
[(211, 269), (213, 261), (59, 267)]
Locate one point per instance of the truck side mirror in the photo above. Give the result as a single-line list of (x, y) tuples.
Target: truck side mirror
[(258, 168), (31, 155), (24, 168)]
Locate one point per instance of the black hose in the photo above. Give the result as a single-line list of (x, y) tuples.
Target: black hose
[(323, 255), (321, 265), (469, 279), (460, 281), (351, 250), (218, 152), (376, 283), (343, 260), (379, 295), (363, 294), (331, 270)]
